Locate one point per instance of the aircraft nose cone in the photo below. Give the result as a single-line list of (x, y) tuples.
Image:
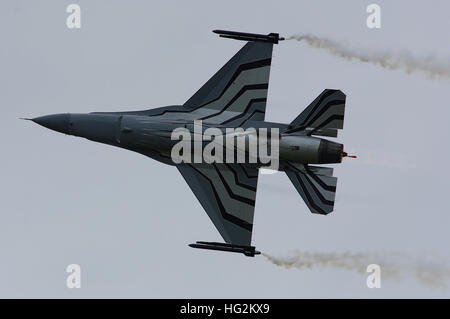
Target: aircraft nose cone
[(55, 122)]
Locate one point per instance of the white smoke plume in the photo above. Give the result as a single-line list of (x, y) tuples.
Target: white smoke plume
[(428, 66), (394, 266)]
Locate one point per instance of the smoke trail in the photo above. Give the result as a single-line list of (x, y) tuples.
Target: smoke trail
[(394, 266), (388, 61)]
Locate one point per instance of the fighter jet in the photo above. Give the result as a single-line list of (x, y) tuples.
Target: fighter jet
[(234, 97)]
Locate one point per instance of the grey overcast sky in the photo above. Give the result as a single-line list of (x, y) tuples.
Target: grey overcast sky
[(127, 220)]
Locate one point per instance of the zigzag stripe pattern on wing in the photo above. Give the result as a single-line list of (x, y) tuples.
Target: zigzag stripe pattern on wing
[(227, 194)]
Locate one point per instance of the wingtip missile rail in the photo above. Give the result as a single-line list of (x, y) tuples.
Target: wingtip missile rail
[(244, 36), (248, 251)]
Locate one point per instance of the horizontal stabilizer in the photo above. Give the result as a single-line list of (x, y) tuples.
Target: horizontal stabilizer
[(323, 117), (329, 132), (315, 184)]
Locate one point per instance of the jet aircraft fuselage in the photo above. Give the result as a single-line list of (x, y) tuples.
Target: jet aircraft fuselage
[(153, 137)]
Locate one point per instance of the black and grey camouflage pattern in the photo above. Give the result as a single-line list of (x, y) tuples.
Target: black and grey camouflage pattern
[(315, 184), (323, 117), (227, 192)]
